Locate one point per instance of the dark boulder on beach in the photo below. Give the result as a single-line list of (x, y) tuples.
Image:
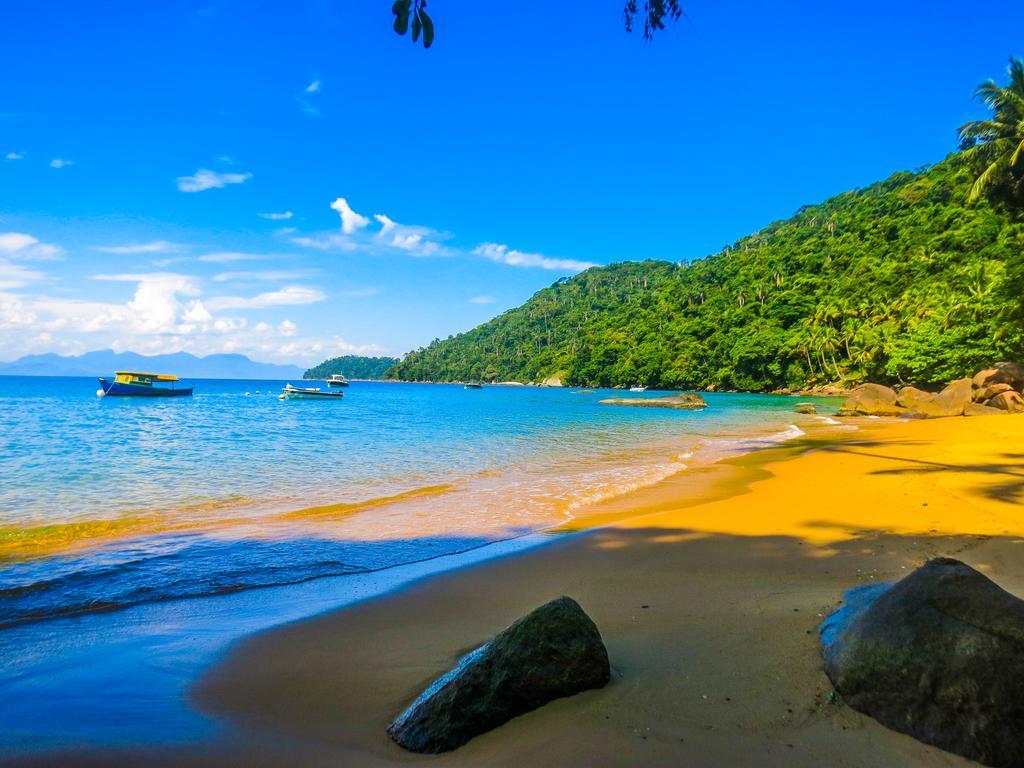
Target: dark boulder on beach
[(685, 402), (554, 651), (939, 656)]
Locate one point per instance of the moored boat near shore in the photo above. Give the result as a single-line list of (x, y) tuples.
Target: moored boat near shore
[(136, 384), (308, 393)]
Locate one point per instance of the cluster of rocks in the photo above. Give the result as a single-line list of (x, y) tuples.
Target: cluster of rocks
[(683, 402), (996, 390), (937, 656)]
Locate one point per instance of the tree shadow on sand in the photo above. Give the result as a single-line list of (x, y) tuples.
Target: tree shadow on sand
[(1010, 491)]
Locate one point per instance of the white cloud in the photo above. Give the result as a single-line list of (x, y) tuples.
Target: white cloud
[(156, 305), (305, 103), (229, 257), (17, 276), (60, 162), (265, 274), (163, 313), (14, 156), (204, 179), (502, 254), (482, 300), (415, 240), (276, 216), (288, 296), (18, 245), (156, 246), (11, 242), (350, 220), (326, 242)]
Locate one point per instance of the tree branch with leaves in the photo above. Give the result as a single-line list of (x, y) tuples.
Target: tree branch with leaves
[(411, 15)]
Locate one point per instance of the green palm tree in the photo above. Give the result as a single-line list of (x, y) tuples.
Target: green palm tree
[(998, 143)]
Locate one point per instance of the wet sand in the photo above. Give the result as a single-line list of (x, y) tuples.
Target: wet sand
[(708, 589)]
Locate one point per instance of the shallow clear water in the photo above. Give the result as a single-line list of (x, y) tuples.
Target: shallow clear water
[(109, 502)]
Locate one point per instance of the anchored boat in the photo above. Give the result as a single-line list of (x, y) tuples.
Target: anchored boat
[(337, 380), (308, 393), (136, 384)]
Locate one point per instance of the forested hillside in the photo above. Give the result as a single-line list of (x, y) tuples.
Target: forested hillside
[(352, 367), (900, 282)]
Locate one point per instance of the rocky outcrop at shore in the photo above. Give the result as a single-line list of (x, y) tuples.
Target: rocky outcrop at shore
[(554, 651), (939, 656), (991, 392), (871, 400), (684, 402), (806, 408)]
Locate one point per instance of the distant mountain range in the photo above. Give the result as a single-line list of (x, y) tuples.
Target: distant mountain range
[(105, 362)]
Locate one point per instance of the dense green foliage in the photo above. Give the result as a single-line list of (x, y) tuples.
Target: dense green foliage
[(900, 282), (352, 367)]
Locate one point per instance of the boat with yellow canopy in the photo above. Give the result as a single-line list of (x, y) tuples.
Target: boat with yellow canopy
[(138, 384)]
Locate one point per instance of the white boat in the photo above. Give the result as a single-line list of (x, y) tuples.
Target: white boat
[(308, 393), (337, 380), (638, 389)]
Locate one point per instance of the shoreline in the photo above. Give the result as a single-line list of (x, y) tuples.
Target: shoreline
[(411, 632), (116, 648), (564, 485), (709, 608)]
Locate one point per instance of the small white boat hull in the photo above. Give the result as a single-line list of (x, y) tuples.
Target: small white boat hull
[(309, 393)]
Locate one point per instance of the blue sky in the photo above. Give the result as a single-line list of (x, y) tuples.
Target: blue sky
[(174, 175)]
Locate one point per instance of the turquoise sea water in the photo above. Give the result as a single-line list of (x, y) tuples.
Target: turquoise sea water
[(110, 502), (114, 511)]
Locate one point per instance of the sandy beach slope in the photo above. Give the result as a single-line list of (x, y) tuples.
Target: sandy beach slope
[(708, 591)]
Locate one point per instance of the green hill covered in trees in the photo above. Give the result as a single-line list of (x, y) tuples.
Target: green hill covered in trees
[(352, 367), (903, 281)]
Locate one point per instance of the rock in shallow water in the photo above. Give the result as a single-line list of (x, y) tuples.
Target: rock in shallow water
[(687, 402), (939, 656), (554, 651)]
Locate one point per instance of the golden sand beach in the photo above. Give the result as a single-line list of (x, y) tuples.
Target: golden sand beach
[(708, 589)]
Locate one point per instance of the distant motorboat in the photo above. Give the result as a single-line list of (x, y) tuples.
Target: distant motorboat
[(638, 389), (308, 393), (337, 380), (137, 384), (472, 385)]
